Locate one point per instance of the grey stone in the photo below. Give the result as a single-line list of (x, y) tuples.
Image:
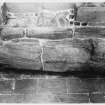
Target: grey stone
[(90, 32), (65, 55), (49, 33), (21, 55), (10, 33), (91, 14)]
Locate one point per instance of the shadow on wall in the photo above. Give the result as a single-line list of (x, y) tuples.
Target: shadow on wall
[(86, 71)]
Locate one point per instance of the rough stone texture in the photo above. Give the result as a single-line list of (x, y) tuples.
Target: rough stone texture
[(90, 32), (99, 50), (49, 33), (76, 85), (91, 14), (21, 55), (98, 98), (96, 23), (97, 60), (73, 98), (5, 86), (41, 14), (76, 48), (62, 55), (55, 86), (36, 7), (66, 55), (21, 86), (11, 33), (11, 98), (17, 22), (27, 86)]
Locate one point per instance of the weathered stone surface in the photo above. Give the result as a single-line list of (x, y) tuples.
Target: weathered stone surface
[(44, 14), (26, 86), (10, 33), (99, 50), (97, 98), (90, 32), (36, 7), (59, 52), (96, 23), (91, 14), (22, 21), (97, 55), (49, 33), (74, 98), (21, 55), (16, 22), (65, 55)]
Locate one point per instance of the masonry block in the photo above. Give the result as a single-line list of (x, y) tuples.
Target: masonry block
[(5, 86), (97, 98), (11, 33), (91, 14), (49, 33), (78, 85), (11, 98), (98, 57), (73, 98), (43, 97), (26, 86), (90, 32), (21, 55), (100, 88), (54, 86)]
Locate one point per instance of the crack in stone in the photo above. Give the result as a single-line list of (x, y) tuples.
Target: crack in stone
[(41, 42), (67, 86), (89, 98), (25, 32), (42, 58), (13, 84), (73, 30)]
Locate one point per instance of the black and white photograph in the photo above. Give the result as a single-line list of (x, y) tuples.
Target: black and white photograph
[(52, 52)]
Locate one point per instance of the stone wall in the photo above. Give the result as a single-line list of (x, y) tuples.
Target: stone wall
[(30, 86), (58, 48)]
